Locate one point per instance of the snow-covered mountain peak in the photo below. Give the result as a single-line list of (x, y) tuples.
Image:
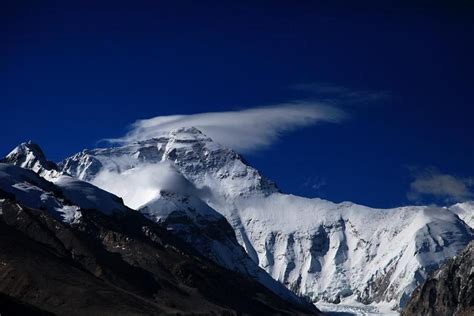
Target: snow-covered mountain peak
[(196, 156), (29, 155), (185, 134)]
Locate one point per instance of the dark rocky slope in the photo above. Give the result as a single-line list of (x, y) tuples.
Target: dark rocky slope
[(120, 264), (11, 306), (449, 291)]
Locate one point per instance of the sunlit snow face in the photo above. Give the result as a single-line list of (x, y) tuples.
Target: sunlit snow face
[(140, 185)]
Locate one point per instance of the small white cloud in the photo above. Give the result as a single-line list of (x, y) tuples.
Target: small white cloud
[(245, 130), (140, 185), (442, 186)]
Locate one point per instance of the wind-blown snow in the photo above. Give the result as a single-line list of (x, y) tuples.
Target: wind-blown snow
[(244, 130)]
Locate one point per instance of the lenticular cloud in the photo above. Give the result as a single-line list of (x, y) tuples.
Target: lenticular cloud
[(245, 130)]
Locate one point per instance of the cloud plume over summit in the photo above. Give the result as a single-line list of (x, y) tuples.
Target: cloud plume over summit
[(244, 130)]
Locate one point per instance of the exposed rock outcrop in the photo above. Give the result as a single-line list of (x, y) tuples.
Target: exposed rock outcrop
[(449, 291)]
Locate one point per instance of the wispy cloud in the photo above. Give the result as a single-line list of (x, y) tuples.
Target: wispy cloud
[(446, 187), (315, 183), (339, 94), (245, 130)]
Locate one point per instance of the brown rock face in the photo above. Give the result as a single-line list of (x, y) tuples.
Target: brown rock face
[(116, 265), (450, 290)]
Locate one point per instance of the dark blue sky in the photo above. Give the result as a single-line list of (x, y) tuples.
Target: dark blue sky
[(72, 74)]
